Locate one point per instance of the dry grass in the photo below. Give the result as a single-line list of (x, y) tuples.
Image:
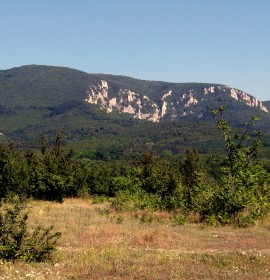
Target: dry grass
[(99, 244)]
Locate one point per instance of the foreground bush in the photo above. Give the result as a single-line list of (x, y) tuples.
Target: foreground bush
[(243, 196), (17, 242)]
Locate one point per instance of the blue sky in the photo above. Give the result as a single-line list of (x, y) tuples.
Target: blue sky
[(217, 41)]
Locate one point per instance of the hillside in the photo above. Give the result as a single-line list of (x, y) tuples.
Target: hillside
[(117, 114)]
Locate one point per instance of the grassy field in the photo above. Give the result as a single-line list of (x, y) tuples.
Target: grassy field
[(98, 243)]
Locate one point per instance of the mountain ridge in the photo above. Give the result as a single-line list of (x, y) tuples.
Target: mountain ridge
[(40, 99), (83, 83)]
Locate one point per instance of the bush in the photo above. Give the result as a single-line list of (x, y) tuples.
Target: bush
[(179, 219), (99, 199), (147, 217), (126, 200), (16, 242), (244, 193)]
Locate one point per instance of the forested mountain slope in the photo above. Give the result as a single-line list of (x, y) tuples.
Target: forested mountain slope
[(116, 112)]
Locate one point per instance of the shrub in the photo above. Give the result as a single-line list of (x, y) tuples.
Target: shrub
[(147, 217), (244, 193), (126, 200), (99, 199), (17, 242), (179, 219)]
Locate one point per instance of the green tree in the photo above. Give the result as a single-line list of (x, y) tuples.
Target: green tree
[(55, 174), (13, 171), (192, 178), (244, 193), (160, 177)]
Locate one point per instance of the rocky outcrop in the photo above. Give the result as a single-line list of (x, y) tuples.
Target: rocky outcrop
[(170, 104), (238, 95), (125, 101), (189, 99)]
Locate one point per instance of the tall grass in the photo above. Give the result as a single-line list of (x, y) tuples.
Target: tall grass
[(98, 243)]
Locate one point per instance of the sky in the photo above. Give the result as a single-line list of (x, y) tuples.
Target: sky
[(213, 41)]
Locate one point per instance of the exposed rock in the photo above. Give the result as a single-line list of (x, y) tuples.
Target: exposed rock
[(209, 90), (142, 107), (164, 103), (238, 95), (125, 101)]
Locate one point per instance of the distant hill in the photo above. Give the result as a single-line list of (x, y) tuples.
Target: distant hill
[(115, 113)]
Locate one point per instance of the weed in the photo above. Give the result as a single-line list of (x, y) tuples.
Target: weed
[(179, 219), (146, 217), (99, 199), (119, 220)]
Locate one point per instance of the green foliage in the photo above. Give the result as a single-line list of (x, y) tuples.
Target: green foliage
[(153, 184), (244, 194), (126, 200), (159, 176), (119, 220), (17, 242), (51, 174), (147, 217), (12, 170), (55, 174), (99, 199), (179, 219), (100, 177), (129, 179), (224, 189), (193, 179)]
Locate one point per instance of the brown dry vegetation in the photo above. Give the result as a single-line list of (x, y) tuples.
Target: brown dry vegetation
[(98, 243)]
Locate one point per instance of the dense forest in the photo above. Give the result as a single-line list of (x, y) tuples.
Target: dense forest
[(229, 188)]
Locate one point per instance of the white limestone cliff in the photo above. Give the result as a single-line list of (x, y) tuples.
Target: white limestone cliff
[(238, 95), (125, 101), (164, 103), (142, 107)]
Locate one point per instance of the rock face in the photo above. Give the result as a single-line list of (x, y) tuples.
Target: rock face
[(170, 105), (126, 101), (239, 96)]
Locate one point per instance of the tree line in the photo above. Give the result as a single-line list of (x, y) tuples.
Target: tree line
[(233, 188)]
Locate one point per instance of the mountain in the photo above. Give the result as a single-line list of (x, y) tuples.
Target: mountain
[(117, 112)]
